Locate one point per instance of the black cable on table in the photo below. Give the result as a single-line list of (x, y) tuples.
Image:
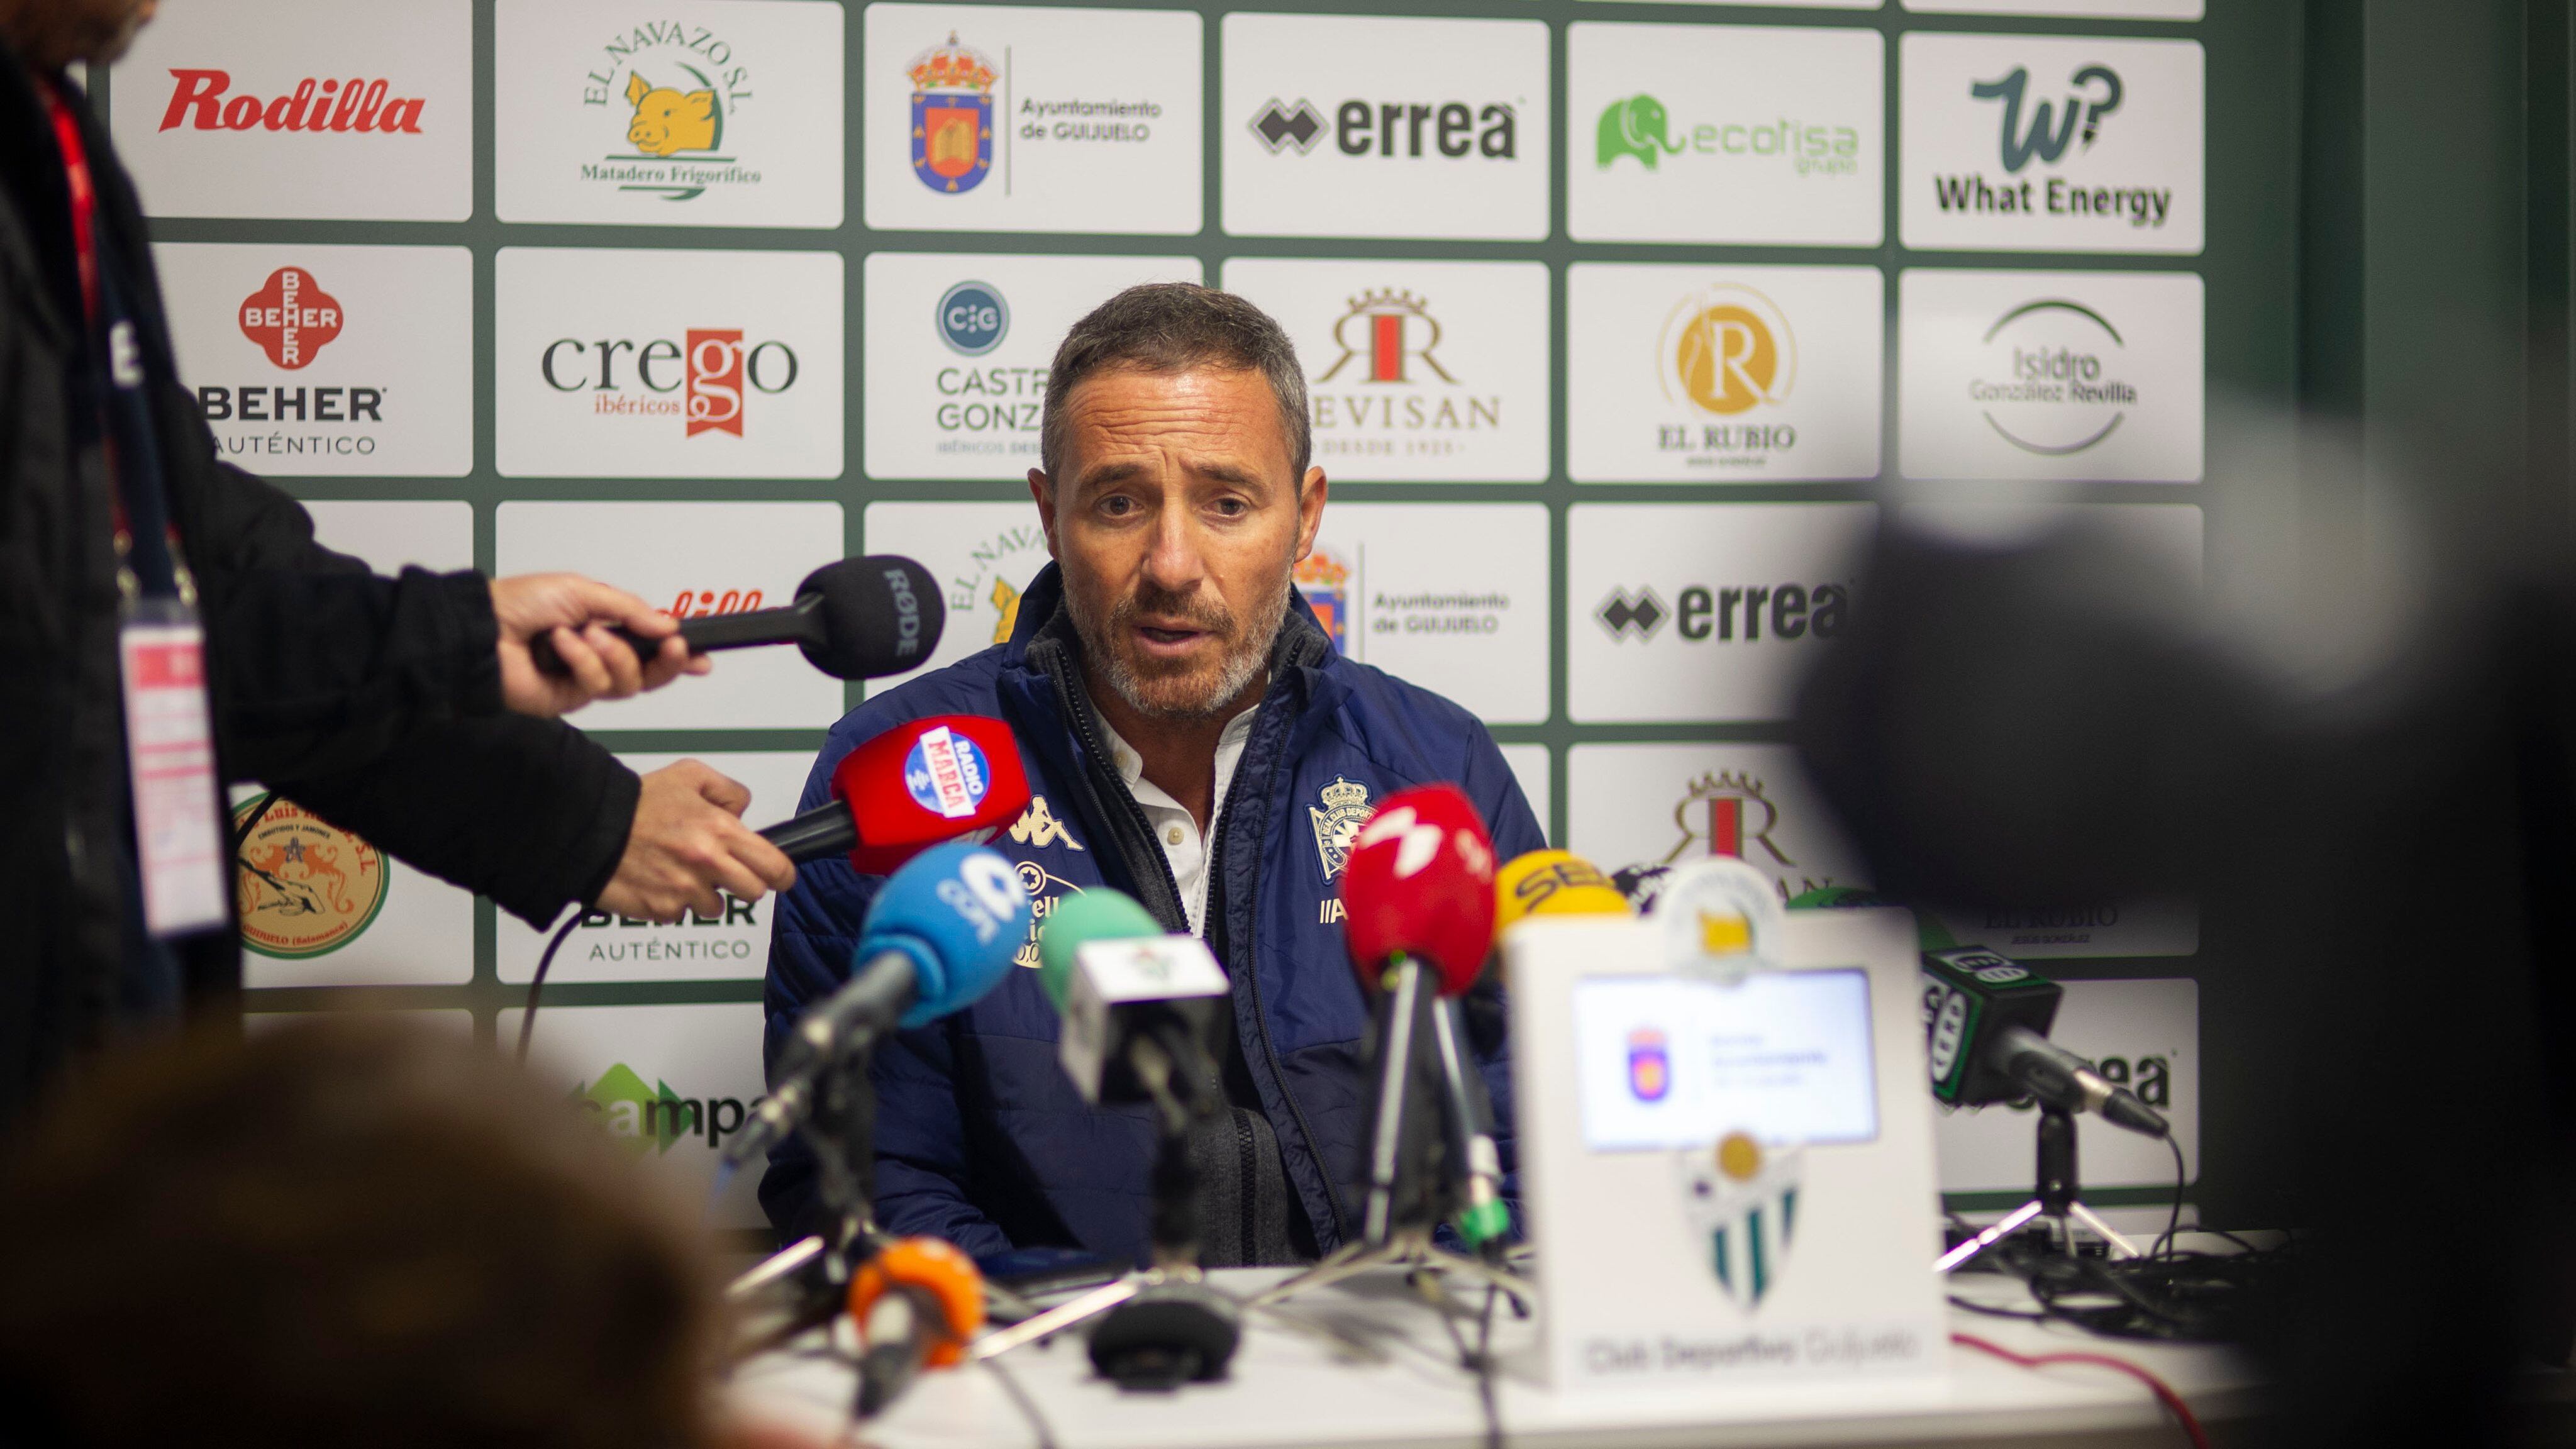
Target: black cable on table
[(1028, 1407)]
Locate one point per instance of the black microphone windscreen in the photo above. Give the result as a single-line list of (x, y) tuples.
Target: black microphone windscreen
[(881, 614)]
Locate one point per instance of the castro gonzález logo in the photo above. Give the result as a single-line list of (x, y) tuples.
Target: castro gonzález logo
[(986, 407), (656, 1119), (667, 93), (1725, 352), (304, 886), (1640, 127)]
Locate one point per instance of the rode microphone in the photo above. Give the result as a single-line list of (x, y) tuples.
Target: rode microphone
[(1418, 913), (915, 785), (861, 618), (916, 1304), (941, 934), (1987, 1021)]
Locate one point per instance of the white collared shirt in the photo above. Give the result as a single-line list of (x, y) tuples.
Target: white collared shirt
[(1174, 830)]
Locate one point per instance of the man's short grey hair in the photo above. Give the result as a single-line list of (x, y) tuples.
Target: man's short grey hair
[(1169, 327)]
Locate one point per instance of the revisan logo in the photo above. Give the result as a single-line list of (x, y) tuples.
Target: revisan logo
[(717, 372), (197, 99)]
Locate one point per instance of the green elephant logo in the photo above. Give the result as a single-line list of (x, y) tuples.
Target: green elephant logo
[(1634, 127)]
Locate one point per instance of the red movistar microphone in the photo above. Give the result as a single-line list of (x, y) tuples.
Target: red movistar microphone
[(1418, 908), (909, 789)]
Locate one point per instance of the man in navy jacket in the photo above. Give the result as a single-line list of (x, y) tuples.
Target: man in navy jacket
[(1194, 740)]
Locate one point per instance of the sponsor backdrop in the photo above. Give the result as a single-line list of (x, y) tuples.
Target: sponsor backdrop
[(1618, 319)]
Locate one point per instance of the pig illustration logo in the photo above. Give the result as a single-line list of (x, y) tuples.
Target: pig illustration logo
[(668, 121)]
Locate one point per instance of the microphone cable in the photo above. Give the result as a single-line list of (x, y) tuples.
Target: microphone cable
[(537, 983), (2164, 1392)]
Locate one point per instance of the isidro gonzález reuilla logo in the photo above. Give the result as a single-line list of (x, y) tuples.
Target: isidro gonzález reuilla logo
[(656, 1119)]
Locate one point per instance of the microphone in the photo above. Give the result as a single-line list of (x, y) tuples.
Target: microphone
[(915, 785), (861, 618), (1418, 913), (941, 934), (915, 1304), (1136, 1002), (1987, 1020), (1553, 883)]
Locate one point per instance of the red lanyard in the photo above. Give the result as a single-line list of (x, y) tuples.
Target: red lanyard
[(84, 195)]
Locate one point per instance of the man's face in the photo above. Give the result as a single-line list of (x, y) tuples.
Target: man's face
[(1175, 518), (52, 34)]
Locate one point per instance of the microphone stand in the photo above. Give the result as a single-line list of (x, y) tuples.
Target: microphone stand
[(2055, 1198)]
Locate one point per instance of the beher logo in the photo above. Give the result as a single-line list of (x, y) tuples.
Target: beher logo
[(2093, 93), (716, 373), (304, 886), (1409, 130), (2056, 398), (1742, 1203), (1639, 126), (656, 1119), (1700, 613), (952, 116), (290, 317), (197, 100), (1650, 1067), (973, 318), (683, 85), (1344, 809), (1320, 576)]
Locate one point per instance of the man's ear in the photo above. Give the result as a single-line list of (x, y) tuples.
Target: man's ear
[(1310, 511), (1043, 491)]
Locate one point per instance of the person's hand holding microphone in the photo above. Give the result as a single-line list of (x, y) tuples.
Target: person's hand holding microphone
[(579, 619)]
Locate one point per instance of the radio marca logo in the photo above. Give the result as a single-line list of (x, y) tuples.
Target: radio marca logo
[(304, 886), (668, 91), (952, 116)]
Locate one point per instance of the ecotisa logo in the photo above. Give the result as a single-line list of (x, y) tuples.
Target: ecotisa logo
[(1640, 127)]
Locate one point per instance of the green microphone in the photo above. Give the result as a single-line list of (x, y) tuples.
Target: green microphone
[(1098, 914)]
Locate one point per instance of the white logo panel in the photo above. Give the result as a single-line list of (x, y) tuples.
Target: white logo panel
[(390, 534), (1697, 374), (667, 364), (712, 113), (328, 360), (958, 346), (421, 934), (2056, 375), (1449, 596), (1018, 118), (983, 554), (669, 1084), (1535, 769), (2069, 9), (692, 559), (1721, 133), (301, 108), (1416, 371), (732, 946), (1705, 611), (1343, 125), (1665, 805), (2027, 143)]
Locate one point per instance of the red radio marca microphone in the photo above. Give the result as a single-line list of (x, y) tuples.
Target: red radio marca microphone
[(1420, 884), (909, 789)]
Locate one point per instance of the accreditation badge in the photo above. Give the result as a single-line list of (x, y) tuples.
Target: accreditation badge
[(170, 763)]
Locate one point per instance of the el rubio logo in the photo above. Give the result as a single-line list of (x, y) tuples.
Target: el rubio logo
[(2052, 383), (705, 378), (2038, 123), (1389, 393), (662, 95), (1390, 130), (1727, 352), (1640, 127), (203, 100)]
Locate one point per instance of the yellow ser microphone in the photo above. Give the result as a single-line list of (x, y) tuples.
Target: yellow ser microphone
[(1553, 883)]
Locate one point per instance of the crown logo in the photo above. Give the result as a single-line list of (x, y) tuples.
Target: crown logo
[(1390, 299), (1345, 795), (952, 67), (1321, 570), (1726, 782)]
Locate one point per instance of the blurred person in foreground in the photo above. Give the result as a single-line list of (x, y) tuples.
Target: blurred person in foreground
[(1196, 741), (409, 710), (2364, 770), (346, 1233)]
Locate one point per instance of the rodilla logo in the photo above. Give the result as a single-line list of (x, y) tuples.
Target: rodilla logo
[(200, 99), (656, 1119), (713, 371)]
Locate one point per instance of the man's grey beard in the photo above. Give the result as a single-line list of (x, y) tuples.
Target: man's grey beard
[(1247, 653)]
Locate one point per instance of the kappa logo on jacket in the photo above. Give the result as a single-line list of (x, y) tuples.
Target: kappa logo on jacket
[(1038, 828)]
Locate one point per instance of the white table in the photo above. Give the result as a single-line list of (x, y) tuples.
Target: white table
[(1303, 1387)]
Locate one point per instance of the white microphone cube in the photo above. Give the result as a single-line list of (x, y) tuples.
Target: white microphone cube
[(1134, 971)]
